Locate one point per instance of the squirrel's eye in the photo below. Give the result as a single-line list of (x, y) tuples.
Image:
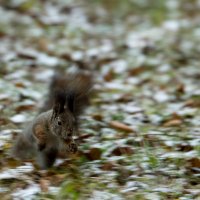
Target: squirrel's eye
[(59, 123)]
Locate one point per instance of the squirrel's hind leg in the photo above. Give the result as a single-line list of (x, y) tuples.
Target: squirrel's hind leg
[(22, 148)]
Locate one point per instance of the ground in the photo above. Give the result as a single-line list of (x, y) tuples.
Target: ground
[(140, 136)]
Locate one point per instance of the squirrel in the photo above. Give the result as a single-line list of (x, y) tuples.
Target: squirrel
[(52, 131)]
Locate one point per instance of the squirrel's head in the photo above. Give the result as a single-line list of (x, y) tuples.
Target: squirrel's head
[(64, 121)]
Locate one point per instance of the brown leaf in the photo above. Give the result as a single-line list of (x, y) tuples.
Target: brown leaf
[(194, 162), (97, 117), (173, 122), (20, 85), (118, 151), (94, 154), (4, 121), (2, 34), (180, 89), (66, 56), (136, 71), (184, 147), (121, 126), (43, 44), (125, 97), (192, 103), (44, 185), (103, 61), (26, 56), (24, 108), (109, 76), (108, 166)]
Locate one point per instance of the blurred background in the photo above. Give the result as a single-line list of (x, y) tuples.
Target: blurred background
[(140, 136)]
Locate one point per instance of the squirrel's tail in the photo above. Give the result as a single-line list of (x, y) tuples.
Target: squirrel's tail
[(76, 86)]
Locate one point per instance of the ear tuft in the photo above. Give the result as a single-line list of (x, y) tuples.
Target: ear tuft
[(70, 97), (59, 103)]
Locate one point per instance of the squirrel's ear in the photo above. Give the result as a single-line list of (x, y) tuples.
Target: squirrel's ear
[(70, 101), (59, 103)]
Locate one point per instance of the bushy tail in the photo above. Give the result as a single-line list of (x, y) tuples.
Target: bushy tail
[(75, 86)]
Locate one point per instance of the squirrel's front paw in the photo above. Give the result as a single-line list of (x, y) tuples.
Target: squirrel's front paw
[(72, 147)]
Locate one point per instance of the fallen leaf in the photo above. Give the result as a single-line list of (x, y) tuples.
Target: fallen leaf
[(108, 166), (20, 85), (44, 185), (173, 122), (192, 103), (118, 151), (136, 71), (121, 126), (97, 117), (26, 56), (94, 154), (184, 147), (4, 121), (125, 97), (180, 89), (109, 76), (24, 108), (194, 162)]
